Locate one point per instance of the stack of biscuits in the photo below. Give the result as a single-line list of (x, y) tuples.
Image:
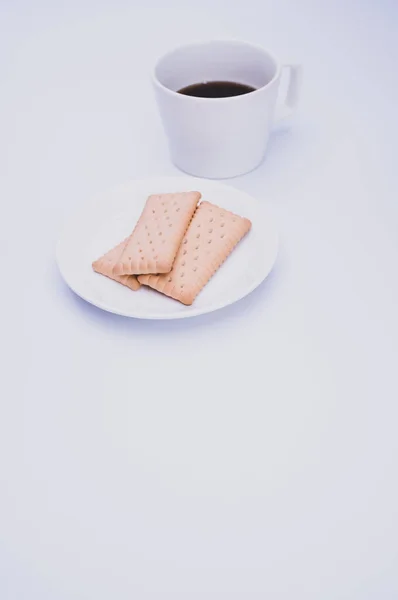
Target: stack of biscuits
[(176, 246)]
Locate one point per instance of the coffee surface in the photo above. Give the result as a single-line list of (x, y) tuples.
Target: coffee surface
[(216, 89)]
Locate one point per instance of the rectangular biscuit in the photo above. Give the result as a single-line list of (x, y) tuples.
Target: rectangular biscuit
[(153, 245), (105, 264), (211, 237)]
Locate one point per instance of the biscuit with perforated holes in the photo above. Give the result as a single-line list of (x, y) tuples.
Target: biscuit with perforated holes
[(153, 245), (105, 264), (210, 239)]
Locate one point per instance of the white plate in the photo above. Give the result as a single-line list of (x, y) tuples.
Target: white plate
[(101, 224)]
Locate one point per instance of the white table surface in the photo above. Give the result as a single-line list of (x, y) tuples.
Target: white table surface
[(245, 455)]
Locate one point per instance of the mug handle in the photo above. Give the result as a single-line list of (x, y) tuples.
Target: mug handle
[(295, 74)]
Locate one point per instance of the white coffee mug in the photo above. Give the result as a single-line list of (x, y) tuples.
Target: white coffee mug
[(221, 137)]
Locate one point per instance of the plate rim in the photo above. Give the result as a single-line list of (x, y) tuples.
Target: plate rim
[(192, 312)]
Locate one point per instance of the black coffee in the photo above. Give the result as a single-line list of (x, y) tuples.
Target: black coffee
[(216, 89)]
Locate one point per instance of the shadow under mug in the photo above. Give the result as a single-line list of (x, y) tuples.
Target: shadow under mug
[(217, 138)]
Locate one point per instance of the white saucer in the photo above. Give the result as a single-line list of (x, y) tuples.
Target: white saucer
[(103, 223)]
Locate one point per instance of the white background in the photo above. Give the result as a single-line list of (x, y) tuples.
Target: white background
[(245, 455)]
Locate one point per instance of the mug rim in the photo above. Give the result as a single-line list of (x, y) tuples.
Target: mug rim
[(157, 82)]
